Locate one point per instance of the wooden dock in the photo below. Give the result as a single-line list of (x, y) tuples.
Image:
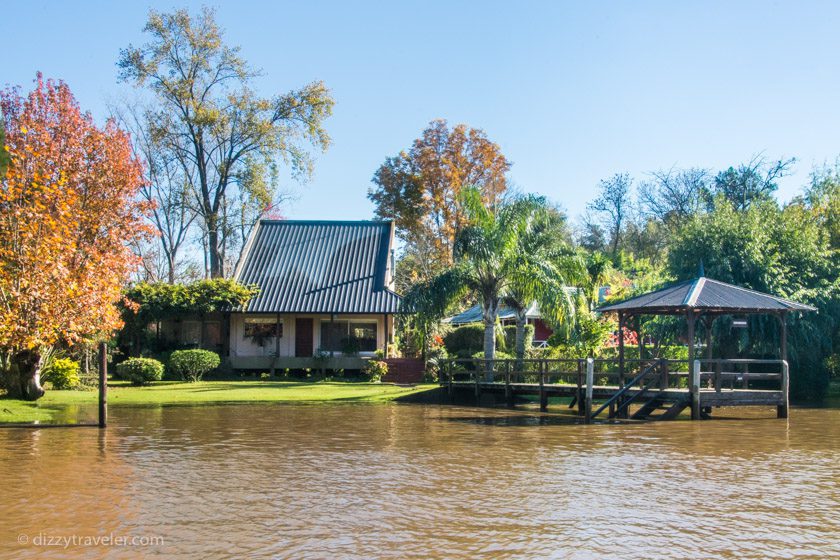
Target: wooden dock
[(656, 389)]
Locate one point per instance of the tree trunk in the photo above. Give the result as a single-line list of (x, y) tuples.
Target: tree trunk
[(23, 378), (520, 338), (170, 264), (216, 269), (491, 308)]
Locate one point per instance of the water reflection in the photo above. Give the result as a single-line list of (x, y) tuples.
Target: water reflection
[(402, 481)]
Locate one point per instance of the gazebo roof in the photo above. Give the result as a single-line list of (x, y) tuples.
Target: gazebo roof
[(707, 296)]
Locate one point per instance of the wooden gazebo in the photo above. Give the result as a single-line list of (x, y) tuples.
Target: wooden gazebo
[(703, 299)]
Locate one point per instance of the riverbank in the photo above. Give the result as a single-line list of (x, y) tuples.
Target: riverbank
[(167, 393)]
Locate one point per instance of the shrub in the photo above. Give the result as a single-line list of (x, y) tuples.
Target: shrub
[(375, 370), (466, 340), (499, 355), (191, 365), (510, 337), (63, 373), (140, 371)]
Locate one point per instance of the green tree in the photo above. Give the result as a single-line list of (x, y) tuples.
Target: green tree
[(487, 258), (822, 196), (751, 182), (225, 137), (776, 250), (545, 268)]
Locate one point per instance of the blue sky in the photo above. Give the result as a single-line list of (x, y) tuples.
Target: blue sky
[(573, 92)]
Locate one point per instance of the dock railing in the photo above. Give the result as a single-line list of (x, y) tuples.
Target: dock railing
[(627, 384)]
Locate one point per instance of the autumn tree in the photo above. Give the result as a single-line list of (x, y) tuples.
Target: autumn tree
[(420, 189), (227, 139), (4, 155), (68, 207)]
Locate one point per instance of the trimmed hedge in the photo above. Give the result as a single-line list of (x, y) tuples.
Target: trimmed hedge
[(140, 371), (466, 340), (191, 365)]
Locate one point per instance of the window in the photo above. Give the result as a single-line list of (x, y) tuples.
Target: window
[(348, 337), (260, 328), (191, 333)]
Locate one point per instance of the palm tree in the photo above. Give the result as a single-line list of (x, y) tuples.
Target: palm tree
[(544, 268), (598, 268), (487, 260)]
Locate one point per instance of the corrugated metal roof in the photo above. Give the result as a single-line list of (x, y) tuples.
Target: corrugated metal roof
[(475, 315), (706, 294), (319, 267)]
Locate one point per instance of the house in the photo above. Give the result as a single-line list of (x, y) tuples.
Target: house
[(326, 295), (507, 317)]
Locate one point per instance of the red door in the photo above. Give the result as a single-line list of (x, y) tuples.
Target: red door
[(303, 338)]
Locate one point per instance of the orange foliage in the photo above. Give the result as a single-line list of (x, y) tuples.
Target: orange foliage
[(421, 189), (68, 208)]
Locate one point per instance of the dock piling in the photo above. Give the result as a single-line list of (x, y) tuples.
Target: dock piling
[(782, 409), (590, 381), (694, 390)]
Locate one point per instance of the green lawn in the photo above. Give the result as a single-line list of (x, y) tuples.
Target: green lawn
[(166, 393)]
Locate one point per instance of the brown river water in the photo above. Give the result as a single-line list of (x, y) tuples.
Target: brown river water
[(420, 481)]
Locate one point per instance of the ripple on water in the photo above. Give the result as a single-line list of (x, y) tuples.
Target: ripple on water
[(406, 481)]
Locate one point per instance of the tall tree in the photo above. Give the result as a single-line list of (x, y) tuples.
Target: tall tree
[(4, 155), (68, 209), (166, 189), (222, 134), (751, 182), (781, 251), (674, 194), (487, 259), (614, 205), (823, 197), (545, 267), (421, 189)]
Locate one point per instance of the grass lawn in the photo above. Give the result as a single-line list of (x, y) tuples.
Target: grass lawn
[(164, 393)]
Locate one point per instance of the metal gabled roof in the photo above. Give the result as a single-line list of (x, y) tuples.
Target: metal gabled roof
[(476, 315), (705, 294), (319, 267)]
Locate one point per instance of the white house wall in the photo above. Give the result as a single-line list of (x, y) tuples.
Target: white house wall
[(245, 347)]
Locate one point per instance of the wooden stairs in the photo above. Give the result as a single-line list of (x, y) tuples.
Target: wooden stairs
[(661, 408)]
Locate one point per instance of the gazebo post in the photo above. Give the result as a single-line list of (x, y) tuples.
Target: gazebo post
[(641, 338), (782, 409), (782, 317), (691, 318), (708, 321), (622, 319)]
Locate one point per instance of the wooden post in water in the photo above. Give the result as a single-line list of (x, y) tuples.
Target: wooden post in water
[(508, 391), (663, 370), (543, 395), (590, 381), (580, 393), (477, 386), (694, 390), (622, 320), (103, 385), (782, 409)]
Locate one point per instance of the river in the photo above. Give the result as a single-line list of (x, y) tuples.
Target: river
[(420, 481)]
